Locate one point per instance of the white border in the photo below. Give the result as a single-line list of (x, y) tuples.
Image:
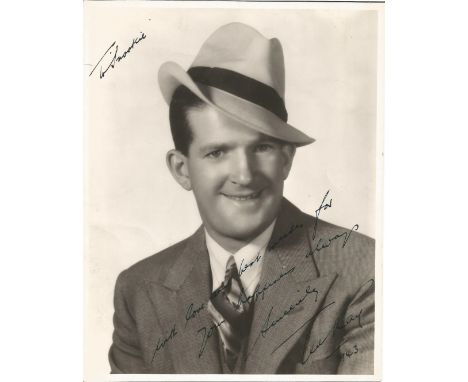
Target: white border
[(235, 4)]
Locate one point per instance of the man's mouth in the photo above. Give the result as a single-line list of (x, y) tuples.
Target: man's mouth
[(243, 197)]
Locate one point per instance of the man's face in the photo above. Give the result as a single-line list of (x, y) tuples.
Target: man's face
[(236, 174)]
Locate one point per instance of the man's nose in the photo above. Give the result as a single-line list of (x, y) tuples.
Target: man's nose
[(242, 169)]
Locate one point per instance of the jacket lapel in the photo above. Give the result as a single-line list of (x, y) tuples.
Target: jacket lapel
[(185, 292), (291, 294)]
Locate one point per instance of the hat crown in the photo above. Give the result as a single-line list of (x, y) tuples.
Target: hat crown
[(242, 49)]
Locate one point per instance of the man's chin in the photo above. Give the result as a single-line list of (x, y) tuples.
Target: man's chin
[(246, 232)]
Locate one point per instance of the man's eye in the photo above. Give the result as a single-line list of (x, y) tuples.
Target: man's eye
[(264, 147), (214, 154)]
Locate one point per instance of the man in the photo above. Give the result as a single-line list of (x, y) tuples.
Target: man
[(260, 287)]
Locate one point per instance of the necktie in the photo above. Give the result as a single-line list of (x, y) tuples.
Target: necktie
[(224, 305)]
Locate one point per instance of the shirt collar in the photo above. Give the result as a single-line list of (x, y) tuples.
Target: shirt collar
[(252, 253)]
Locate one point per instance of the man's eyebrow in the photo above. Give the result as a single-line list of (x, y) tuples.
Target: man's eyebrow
[(226, 146), (215, 146)]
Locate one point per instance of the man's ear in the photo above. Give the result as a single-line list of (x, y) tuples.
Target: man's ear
[(289, 151), (178, 166)]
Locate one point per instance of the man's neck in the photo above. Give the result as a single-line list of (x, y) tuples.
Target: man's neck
[(231, 244)]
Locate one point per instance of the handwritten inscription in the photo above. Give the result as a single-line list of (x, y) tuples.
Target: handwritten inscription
[(163, 342), (349, 354), (323, 206), (243, 267), (192, 312), (292, 228), (207, 334), (346, 353), (323, 243), (219, 290), (267, 325), (260, 291), (336, 326), (275, 318), (340, 324), (112, 56), (322, 309)]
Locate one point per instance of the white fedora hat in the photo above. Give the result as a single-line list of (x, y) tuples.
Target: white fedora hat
[(240, 73)]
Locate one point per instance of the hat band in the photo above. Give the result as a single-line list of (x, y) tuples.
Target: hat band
[(241, 86)]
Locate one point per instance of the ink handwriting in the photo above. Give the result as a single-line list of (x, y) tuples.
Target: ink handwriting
[(243, 267), (304, 324), (192, 313), (350, 354), (162, 343), (336, 326), (322, 244), (325, 243), (207, 334), (347, 353), (260, 291), (323, 207), (339, 324), (292, 228), (267, 325), (219, 290), (112, 51)]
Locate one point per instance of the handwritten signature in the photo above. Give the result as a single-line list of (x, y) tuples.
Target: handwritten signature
[(337, 326), (113, 53)]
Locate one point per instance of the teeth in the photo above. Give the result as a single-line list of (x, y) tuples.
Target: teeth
[(241, 198)]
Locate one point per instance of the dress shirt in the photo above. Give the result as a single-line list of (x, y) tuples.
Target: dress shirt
[(249, 260)]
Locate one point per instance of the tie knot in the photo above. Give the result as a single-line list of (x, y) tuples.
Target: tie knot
[(231, 290), (231, 271)]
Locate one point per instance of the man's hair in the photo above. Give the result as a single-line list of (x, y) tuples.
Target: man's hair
[(182, 100)]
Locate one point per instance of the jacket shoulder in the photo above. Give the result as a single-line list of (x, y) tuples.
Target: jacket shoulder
[(153, 268)]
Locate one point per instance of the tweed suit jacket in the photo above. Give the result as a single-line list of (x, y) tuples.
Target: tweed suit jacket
[(313, 307)]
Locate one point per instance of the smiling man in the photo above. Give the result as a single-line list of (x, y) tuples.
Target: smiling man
[(236, 175), (260, 287)]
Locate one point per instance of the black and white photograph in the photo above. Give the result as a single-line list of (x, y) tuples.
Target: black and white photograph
[(233, 189)]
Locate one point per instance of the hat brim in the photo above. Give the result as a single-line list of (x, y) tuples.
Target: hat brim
[(251, 115)]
